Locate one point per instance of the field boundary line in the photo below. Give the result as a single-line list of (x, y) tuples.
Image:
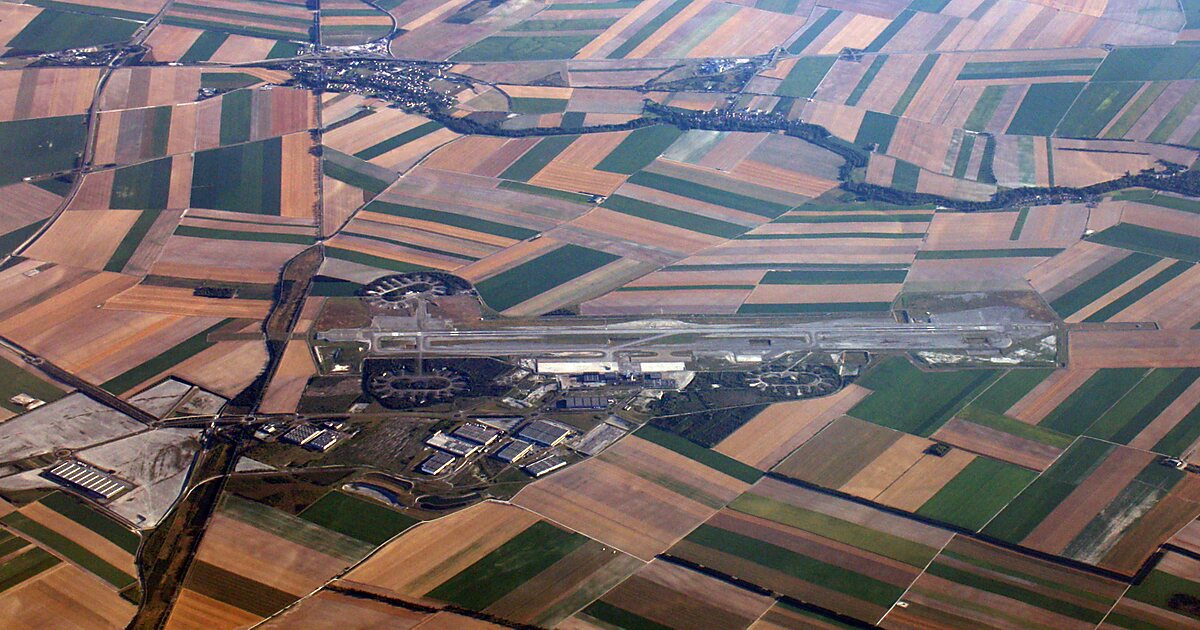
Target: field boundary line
[(908, 588)]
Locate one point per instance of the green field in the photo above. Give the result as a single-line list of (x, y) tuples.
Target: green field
[(351, 170), (542, 191), (967, 254), (70, 549), (524, 48), (1138, 292), (536, 158), (532, 278), (357, 518), (14, 380), (1142, 404), (647, 29), (1098, 285), (865, 82), (639, 149), (39, 145), (1046, 492), (10, 241), (890, 31), (25, 565), (836, 276), (178, 354), (1095, 107), (1134, 112), (236, 590), (204, 47), (1167, 126), (226, 81), (1150, 241), (876, 129), (984, 417), (132, 240), (813, 30), (1086, 404), (1043, 106), (145, 186), (399, 141), (910, 400), (1008, 389), (237, 235), (615, 617), (1149, 63), (977, 493), (57, 30), (372, 261), (450, 218), (240, 178), (671, 216), (814, 308), (538, 105), (79, 512), (709, 194), (914, 84), (853, 218), (695, 452), (509, 566), (236, 110), (985, 107), (805, 76), (572, 24), (796, 565), (962, 161), (1029, 69), (1174, 203), (905, 176), (295, 529)]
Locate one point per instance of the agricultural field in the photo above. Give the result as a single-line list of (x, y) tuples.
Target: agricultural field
[(224, 222)]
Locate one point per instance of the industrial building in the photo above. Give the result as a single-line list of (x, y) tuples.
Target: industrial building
[(544, 433), (452, 445), (83, 477), (545, 465), (513, 450), (583, 402), (437, 463), (300, 434), (323, 441), (477, 433)]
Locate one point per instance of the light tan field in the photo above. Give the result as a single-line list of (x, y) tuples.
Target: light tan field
[(169, 42), (607, 37), (663, 32), (466, 154), (781, 179), (782, 427), (919, 483), (14, 18), (84, 239), (299, 180), (434, 230), (856, 34), (22, 204), (952, 230), (510, 257), (290, 567), (296, 367), (181, 301), (242, 49), (614, 498), (1063, 269), (749, 32), (193, 611), (585, 287), (226, 368), (1120, 290), (1094, 349), (1048, 394), (103, 548), (1172, 305), (330, 609), (1170, 417), (886, 469), (64, 597), (405, 566), (40, 92), (569, 177)]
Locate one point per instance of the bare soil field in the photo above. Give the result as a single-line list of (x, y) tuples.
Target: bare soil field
[(1092, 349), (783, 427)]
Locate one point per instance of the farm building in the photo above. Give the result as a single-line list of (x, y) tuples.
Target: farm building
[(513, 450), (544, 433), (437, 463), (477, 433), (583, 402), (300, 435), (545, 465), (452, 445), (323, 441), (25, 400), (88, 479)]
